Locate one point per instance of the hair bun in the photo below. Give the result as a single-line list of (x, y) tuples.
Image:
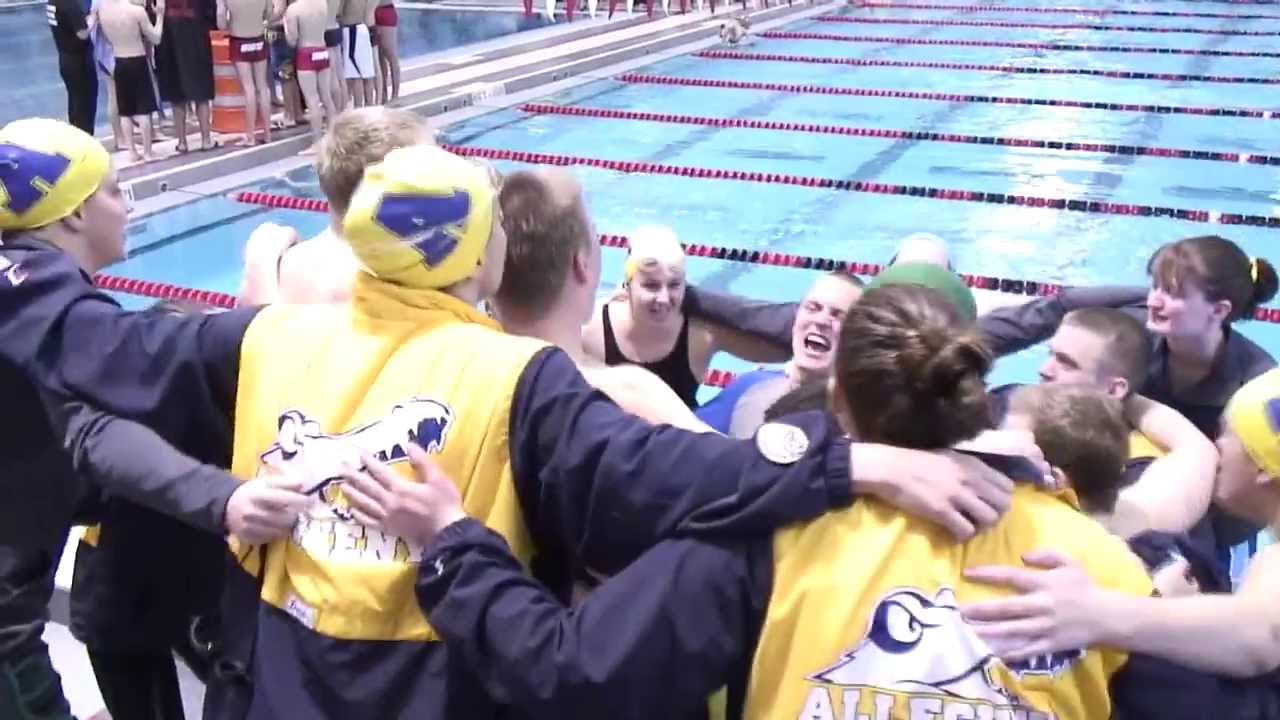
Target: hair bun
[(961, 358), (1265, 281)]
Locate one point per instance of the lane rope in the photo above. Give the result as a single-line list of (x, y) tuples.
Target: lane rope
[(169, 291), (1066, 10), (1062, 47), (1039, 26), (1014, 286), (1107, 148), (1099, 207), (641, 78), (979, 67)]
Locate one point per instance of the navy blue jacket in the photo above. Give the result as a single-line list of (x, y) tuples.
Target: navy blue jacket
[(681, 622), (597, 486)]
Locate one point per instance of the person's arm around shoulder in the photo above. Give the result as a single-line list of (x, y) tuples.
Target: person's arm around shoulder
[(1175, 490), (608, 485), (130, 460), (658, 639), (644, 395), (1061, 608)]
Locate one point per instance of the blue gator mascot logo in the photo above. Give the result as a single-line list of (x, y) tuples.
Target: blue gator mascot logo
[(918, 648), (302, 449)]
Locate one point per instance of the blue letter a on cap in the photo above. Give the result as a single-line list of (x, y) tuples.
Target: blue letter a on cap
[(27, 175), (427, 222)]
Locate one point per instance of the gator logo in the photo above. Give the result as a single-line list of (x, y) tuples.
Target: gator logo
[(919, 654), (302, 449)]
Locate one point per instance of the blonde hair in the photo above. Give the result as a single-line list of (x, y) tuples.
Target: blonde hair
[(651, 246), (358, 138)]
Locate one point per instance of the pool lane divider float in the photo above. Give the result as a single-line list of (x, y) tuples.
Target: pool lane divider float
[(1099, 207), (1016, 69), (1107, 148), (640, 78), (1039, 26), (1013, 286), (1062, 47), (1065, 10)]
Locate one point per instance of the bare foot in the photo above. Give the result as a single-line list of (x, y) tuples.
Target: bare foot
[(135, 158)]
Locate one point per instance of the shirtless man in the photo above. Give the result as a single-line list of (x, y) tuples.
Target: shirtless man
[(304, 27), (360, 67), (246, 21), (387, 19), (128, 29)]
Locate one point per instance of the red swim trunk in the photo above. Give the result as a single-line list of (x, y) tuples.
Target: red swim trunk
[(248, 49), (312, 58), (385, 16)]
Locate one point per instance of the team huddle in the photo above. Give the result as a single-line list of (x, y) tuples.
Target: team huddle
[(421, 472)]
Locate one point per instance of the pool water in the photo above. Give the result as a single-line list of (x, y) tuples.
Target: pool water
[(1018, 242), (31, 86)]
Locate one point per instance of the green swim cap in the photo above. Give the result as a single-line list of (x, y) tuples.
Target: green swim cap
[(930, 276)]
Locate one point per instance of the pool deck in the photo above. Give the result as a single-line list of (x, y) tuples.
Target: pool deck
[(460, 83)]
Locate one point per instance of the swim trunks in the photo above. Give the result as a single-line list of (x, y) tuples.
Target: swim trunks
[(386, 16), (312, 58), (333, 38), (135, 95), (248, 50), (358, 51)]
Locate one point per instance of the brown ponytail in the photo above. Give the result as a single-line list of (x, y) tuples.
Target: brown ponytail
[(911, 369)]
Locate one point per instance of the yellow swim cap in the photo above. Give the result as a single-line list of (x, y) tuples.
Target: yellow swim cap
[(652, 243), (422, 217), (47, 170), (1254, 415)]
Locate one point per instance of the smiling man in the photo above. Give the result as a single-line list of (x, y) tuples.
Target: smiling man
[(739, 409)]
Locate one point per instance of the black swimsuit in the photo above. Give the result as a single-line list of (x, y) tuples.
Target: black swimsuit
[(673, 369)]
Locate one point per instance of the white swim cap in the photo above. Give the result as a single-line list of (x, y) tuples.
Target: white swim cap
[(653, 244)]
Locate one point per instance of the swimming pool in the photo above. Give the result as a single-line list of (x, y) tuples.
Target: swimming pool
[(31, 86), (188, 246)]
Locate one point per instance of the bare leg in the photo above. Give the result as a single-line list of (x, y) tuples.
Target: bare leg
[(337, 88), (324, 84), (307, 81), (371, 90), (128, 137), (146, 138), (263, 88), (180, 125), (113, 111), (293, 99), (206, 129), (244, 71), (389, 50)]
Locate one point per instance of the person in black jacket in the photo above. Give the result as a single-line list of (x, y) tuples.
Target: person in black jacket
[(68, 20)]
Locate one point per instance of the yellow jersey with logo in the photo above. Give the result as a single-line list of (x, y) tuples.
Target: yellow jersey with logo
[(321, 383), (863, 620)]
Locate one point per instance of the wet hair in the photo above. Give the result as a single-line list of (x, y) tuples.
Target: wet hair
[(357, 139), (810, 395), (1126, 339), (543, 233), (910, 369), (1219, 268), (1082, 431)]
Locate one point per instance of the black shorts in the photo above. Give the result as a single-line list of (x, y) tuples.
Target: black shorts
[(135, 95), (333, 38)]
